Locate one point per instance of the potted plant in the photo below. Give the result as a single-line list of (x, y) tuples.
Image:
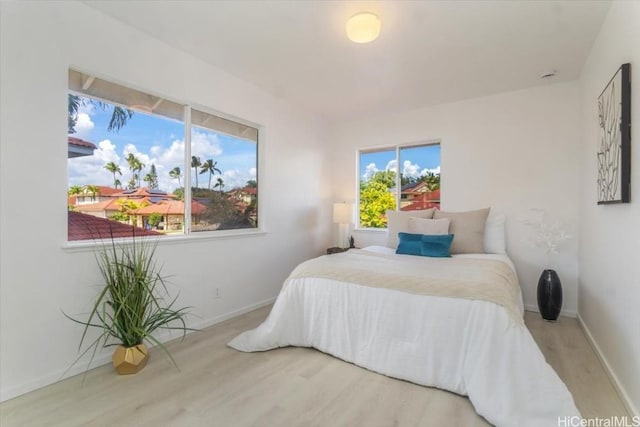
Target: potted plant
[(131, 307), (548, 236)]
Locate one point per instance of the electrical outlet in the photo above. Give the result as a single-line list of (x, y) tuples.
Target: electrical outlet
[(216, 293)]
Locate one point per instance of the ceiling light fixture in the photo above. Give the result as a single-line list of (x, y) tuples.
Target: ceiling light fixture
[(363, 27)]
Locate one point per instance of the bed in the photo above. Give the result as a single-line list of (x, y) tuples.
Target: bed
[(368, 307)]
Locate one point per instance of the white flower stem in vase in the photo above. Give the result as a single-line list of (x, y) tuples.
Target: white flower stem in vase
[(547, 236)]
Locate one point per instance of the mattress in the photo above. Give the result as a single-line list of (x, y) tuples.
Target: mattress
[(470, 347)]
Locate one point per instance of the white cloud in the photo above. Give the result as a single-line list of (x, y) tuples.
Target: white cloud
[(392, 166), (173, 156), (369, 171), (205, 145), (87, 108), (434, 171), (156, 150), (89, 170), (410, 170), (106, 152), (233, 179), (83, 126)]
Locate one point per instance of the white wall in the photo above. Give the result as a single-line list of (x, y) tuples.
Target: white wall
[(40, 41), (609, 256), (512, 151)]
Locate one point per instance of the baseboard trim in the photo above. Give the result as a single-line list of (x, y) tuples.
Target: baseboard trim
[(624, 396), (564, 313), (103, 359), (219, 319)]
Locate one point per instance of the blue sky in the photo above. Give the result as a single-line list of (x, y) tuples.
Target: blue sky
[(415, 161), (160, 141)]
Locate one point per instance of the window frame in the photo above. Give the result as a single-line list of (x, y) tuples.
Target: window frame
[(397, 148), (188, 234)]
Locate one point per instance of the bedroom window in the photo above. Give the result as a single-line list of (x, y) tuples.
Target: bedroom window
[(140, 164), (418, 181)]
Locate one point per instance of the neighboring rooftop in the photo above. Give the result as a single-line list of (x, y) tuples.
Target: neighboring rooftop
[(170, 207), (79, 147), (143, 192), (88, 227)]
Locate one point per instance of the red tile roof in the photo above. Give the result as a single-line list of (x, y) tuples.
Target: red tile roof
[(88, 227), (171, 207), (143, 192), (424, 201), (80, 142), (107, 191)]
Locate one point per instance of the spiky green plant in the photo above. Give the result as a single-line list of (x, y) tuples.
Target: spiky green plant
[(131, 306)]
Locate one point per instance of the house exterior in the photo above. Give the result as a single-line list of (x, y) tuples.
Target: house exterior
[(138, 204), (87, 197), (417, 196), (172, 212), (77, 147)]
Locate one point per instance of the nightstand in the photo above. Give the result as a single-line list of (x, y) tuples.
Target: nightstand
[(336, 250)]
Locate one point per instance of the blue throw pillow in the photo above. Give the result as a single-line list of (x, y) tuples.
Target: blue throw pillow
[(409, 244), (438, 246)]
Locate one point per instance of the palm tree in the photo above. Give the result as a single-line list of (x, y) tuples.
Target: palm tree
[(135, 165), (175, 173), (94, 190), (152, 177), (113, 168), (119, 115), (196, 163), (139, 166), (74, 190), (131, 161), (220, 184), (210, 166), (72, 118), (117, 183), (432, 180)]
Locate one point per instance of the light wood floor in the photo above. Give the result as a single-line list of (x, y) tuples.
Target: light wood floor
[(218, 386)]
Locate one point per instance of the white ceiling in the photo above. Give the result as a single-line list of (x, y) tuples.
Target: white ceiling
[(429, 52)]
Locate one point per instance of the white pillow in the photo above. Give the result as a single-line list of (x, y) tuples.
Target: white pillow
[(429, 226), (398, 222), (494, 236)]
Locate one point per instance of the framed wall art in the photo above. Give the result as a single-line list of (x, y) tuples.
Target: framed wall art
[(614, 152)]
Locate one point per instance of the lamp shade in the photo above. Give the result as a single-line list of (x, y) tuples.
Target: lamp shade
[(342, 213), (363, 27)]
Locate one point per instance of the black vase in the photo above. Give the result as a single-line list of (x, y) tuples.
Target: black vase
[(549, 295)]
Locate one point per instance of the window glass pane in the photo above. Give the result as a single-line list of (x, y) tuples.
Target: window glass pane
[(119, 166), (377, 187), (127, 165), (224, 165), (419, 181), (420, 177)]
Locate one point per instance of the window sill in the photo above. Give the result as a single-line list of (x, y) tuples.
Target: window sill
[(370, 230), (86, 245)]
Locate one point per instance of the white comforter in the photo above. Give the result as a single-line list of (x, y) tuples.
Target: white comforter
[(469, 347)]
